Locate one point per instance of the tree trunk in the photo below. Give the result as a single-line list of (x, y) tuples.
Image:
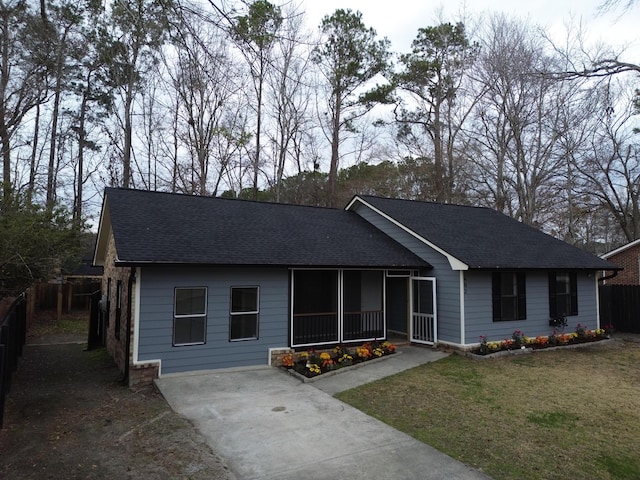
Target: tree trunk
[(4, 129), (34, 154), (77, 211), (126, 155), (335, 145), (256, 162), (438, 160), (51, 170)]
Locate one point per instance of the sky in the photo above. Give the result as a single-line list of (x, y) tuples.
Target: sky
[(399, 20)]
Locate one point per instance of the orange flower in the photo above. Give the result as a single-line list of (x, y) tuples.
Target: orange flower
[(287, 360)]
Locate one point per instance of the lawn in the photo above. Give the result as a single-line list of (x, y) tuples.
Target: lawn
[(46, 323), (551, 414)]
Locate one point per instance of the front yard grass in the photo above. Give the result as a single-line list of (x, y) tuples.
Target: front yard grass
[(561, 414)]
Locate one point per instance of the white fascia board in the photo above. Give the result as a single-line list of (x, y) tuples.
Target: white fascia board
[(454, 262), (136, 314), (620, 249), (136, 326), (102, 239), (463, 326)]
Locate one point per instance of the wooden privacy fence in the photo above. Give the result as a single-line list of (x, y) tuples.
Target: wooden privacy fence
[(13, 334), (620, 307), (73, 294)]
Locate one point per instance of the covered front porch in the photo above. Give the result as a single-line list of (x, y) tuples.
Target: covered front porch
[(333, 306)]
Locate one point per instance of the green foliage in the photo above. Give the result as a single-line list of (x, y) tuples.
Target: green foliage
[(260, 25), (350, 54), (429, 79), (433, 68), (305, 188), (139, 28), (34, 244)]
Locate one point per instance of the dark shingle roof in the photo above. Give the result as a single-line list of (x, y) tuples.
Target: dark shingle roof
[(153, 227), (484, 238)]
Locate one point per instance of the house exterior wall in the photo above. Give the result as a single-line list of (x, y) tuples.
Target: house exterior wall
[(479, 309), (628, 259), (447, 280), (115, 340), (155, 329)]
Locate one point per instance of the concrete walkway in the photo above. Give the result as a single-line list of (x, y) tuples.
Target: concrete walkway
[(269, 425), (406, 358)]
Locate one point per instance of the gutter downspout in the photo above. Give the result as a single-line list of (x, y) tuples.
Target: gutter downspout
[(614, 274)]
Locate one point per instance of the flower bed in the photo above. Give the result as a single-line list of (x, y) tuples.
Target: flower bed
[(519, 341), (313, 363)]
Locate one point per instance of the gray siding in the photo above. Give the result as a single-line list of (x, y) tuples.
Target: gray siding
[(447, 280), (156, 317), (479, 312)]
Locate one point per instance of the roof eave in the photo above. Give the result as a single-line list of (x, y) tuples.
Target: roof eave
[(139, 263)]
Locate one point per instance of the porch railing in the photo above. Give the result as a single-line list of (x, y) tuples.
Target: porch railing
[(13, 333), (318, 328), (423, 328), (310, 328), (361, 325)]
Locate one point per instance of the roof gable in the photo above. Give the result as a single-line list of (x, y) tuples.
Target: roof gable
[(482, 238), (154, 227)]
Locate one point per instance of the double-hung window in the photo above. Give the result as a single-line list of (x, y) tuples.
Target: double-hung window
[(244, 313), (190, 316), (509, 296), (563, 294)]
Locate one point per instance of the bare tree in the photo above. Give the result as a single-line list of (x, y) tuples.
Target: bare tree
[(288, 93), (205, 80), (519, 122), (610, 169), (257, 33), (138, 30), (23, 76)]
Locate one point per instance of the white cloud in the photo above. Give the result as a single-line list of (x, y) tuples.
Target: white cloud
[(399, 20)]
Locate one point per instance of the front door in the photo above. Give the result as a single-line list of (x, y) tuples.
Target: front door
[(397, 305), (423, 310)]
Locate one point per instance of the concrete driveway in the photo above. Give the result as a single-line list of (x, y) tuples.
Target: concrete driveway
[(269, 425)]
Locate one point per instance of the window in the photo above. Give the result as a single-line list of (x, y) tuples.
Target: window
[(190, 316), (509, 297), (243, 314), (563, 294)]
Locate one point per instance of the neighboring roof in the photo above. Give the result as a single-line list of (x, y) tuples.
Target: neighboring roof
[(621, 249), (153, 227), (85, 270), (482, 238)]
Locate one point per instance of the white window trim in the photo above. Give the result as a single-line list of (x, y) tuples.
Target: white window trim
[(340, 305), (197, 315), (245, 312)]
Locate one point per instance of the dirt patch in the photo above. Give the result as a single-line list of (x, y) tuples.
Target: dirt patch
[(68, 416)]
